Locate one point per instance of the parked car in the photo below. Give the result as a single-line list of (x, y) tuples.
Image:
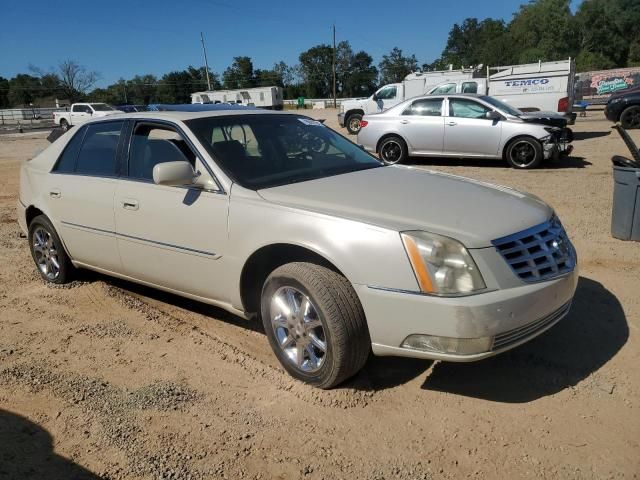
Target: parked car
[(533, 87), (276, 216), (82, 112), (624, 108), (463, 125)]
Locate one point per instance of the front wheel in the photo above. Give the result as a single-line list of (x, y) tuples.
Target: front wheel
[(315, 323), (353, 123), (630, 118), (524, 153), (64, 125), (48, 252)]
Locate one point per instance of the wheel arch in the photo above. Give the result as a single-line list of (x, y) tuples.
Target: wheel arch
[(32, 212), (265, 260), (348, 113)]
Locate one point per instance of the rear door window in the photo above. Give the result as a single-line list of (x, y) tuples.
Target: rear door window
[(426, 107), (67, 161), (98, 152)]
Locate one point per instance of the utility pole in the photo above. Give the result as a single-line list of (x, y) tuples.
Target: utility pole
[(206, 63), (335, 105)]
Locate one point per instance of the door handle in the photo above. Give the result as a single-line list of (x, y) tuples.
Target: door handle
[(55, 193), (130, 204), (404, 122), (452, 124)]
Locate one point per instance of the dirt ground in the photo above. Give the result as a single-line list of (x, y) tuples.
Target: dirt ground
[(106, 379)]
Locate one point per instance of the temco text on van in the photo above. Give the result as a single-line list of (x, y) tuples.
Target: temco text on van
[(524, 83)]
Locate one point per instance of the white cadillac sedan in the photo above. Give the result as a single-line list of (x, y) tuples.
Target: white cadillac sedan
[(276, 216)]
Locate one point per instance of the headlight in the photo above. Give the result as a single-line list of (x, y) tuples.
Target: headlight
[(442, 265)]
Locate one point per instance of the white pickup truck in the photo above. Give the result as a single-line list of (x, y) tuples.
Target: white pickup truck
[(81, 112), (545, 87)]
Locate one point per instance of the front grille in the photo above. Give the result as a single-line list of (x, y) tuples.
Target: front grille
[(530, 330), (538, 253)]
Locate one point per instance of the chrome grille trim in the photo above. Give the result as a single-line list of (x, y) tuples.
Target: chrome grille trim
[(529, 330), (538, 253)]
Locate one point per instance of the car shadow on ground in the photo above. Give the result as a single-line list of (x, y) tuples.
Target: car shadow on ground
[(562, 162), (580, 344), (588, 135), (26, 452)]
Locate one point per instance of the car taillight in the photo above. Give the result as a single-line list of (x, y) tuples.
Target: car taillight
[(363, 123), (563, 104)]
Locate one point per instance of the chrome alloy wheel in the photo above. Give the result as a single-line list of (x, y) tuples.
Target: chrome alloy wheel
[(45, 253), (523, 153), (391, 151), (298, 329), (354, 124)]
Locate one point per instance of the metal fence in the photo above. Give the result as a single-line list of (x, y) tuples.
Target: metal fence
[(27, 118)]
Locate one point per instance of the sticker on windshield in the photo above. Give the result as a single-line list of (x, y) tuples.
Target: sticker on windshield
[(308, 121)]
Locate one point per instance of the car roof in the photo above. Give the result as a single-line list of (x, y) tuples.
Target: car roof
[(184, 116)]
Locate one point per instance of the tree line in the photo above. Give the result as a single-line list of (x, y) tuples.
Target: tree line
[(601, 34)]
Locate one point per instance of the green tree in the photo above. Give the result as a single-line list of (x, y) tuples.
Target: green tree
[(239, 74), (544, 30), (23, 90), (4, 93), (474, 42), (602, 44), (362, 78), (395, 66), (316, 71)]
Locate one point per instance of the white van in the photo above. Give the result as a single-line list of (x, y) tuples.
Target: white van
[(265, 97)]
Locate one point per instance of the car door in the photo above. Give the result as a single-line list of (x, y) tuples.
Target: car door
[(80, 194), (167, 235), (467, 131), (422, 126), (80, 114), (383, 99)]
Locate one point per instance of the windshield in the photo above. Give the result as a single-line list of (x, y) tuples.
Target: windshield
[(502, 106), (102, 107), (262, 151)]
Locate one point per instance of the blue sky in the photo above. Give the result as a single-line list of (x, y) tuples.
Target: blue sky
[(123, 38)]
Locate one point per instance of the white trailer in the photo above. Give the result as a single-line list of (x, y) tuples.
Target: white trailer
[(265, 97)]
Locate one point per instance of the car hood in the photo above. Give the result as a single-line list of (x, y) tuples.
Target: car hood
[(404, 198), (553, 119)]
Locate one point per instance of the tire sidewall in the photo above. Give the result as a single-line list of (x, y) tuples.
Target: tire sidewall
[(273, 283), (403, 147), (42, 221), (623, 117), (64, 125), (537, 147), (348, 121)]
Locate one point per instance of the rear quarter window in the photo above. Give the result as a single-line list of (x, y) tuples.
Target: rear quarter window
[(67, 161)]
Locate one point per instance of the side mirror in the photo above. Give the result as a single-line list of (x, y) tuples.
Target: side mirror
[(493, 115), (173, 173)]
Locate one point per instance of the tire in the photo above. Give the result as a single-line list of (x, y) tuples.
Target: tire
[(392, 150), (64, 125), (630, 117), (47, 251), (353, 123), (524, 153), (330, 341)]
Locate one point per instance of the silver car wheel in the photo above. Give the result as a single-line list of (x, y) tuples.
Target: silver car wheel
[(46, 254), (298, 329), (523, 153), (391, 152)]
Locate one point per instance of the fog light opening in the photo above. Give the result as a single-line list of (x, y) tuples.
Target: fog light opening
[(448, 345)]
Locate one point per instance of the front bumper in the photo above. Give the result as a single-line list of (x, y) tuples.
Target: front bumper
[(554, 149), (341, 119), (21, 211), (509, 316)]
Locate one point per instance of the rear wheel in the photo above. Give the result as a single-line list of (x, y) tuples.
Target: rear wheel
[(353, 123), (315, 323), (392, 150), (48, 252), (630, 117), (524, 153)]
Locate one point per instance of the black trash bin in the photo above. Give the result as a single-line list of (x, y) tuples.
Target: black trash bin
[(625, 217)]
